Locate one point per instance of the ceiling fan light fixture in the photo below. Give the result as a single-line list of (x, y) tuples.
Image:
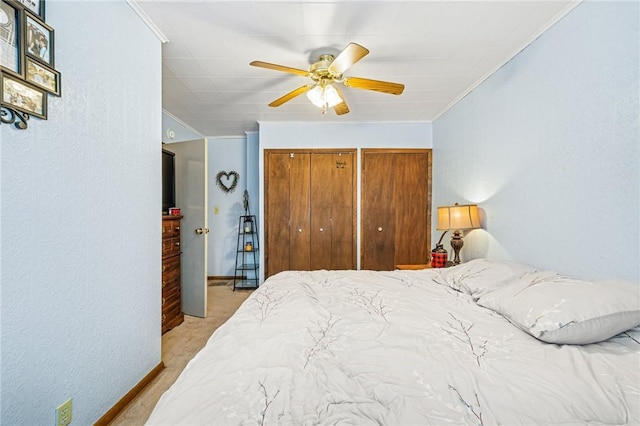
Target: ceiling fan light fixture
[(325, 73), (315, 95), (324, 96), (331, 96)]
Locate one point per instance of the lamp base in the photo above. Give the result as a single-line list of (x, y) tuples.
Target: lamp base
[(456, 245)]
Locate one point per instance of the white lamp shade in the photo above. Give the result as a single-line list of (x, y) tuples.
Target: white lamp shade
[(324, 96), (331, 96), (458, 217), (315, 95)]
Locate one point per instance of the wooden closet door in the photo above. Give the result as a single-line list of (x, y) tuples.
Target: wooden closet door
[(378, 213), (412, 213), (332, 211), (396, 207), (321, 200), (299, 208), (343, 211), (287, 212), (310, 216), (277, 208)]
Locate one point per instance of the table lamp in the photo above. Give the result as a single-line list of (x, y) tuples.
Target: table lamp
[(456, 218)]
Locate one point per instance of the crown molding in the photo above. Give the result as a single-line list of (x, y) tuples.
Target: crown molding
[(152, 26)]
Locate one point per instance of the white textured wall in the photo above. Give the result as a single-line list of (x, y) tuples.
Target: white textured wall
[(549, 147), (81, 240), (275, 135)]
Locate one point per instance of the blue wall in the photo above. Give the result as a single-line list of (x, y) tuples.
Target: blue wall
[(549, 146), (81, 239), (175, 130), (225, 155)]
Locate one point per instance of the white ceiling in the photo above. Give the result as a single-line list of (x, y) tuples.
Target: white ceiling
[(440, 50)]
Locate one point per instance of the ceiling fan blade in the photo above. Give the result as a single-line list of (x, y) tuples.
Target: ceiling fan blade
[(280, 68), (299, 91), (349, 56), (377, 85), (342, 107)]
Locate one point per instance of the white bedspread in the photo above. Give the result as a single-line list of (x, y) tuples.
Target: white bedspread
[(394, 348)]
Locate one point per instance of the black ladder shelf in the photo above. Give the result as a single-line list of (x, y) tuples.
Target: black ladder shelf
[(246, 274)]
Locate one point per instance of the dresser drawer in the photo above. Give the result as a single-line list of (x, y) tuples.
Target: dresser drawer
[(170, 298), (171, 278), (170, 264), (170, 228), (172, 319), (171, 309), (170, 246)]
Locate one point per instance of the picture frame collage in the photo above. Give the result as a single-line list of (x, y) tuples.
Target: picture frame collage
[(27, 61)]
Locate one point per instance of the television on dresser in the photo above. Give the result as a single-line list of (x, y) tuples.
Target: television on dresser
[(168, 180)]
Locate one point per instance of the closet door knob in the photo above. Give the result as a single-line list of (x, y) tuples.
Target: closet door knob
[(379, 228), (300, 230), (321, 229)]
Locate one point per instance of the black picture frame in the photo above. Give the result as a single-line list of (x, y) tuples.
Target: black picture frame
[(34, 6), (11, 39), (25, 38), (22, 96), (42, 76), (38, 39)]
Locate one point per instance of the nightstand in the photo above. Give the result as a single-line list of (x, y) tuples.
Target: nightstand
[(413, 267)]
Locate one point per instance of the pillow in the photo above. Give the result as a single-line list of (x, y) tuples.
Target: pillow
[(563, 310), (481, 276)]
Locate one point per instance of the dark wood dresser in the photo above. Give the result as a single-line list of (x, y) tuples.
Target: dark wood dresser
[(171, 285)]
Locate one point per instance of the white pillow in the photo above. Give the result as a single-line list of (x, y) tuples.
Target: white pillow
[(562, 310), (481, 276)]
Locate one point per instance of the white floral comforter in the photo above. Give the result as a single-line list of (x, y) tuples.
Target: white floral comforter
[(394, 348)]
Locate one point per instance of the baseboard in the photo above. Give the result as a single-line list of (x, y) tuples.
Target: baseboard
[(223, 277), (122, 404)]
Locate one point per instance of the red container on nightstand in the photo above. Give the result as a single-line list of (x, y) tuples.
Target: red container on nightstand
[(438, 257)]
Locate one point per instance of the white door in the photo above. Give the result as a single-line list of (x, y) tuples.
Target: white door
[(191, 197)]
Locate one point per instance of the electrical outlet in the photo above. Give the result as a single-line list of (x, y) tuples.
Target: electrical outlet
[(63, 413)]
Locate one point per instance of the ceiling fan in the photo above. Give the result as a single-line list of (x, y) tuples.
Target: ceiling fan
[(325, 72)]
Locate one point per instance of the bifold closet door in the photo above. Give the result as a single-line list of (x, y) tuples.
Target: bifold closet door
[(413, 210), (299, 211), (287, 212), (277, 200), (309, 210), (332, 211), (378, 213), (396, 207)]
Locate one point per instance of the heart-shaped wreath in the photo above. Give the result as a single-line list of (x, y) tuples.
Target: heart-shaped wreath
[(231, 176)]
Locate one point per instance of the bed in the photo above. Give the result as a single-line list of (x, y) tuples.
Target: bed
[(485, 342)]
